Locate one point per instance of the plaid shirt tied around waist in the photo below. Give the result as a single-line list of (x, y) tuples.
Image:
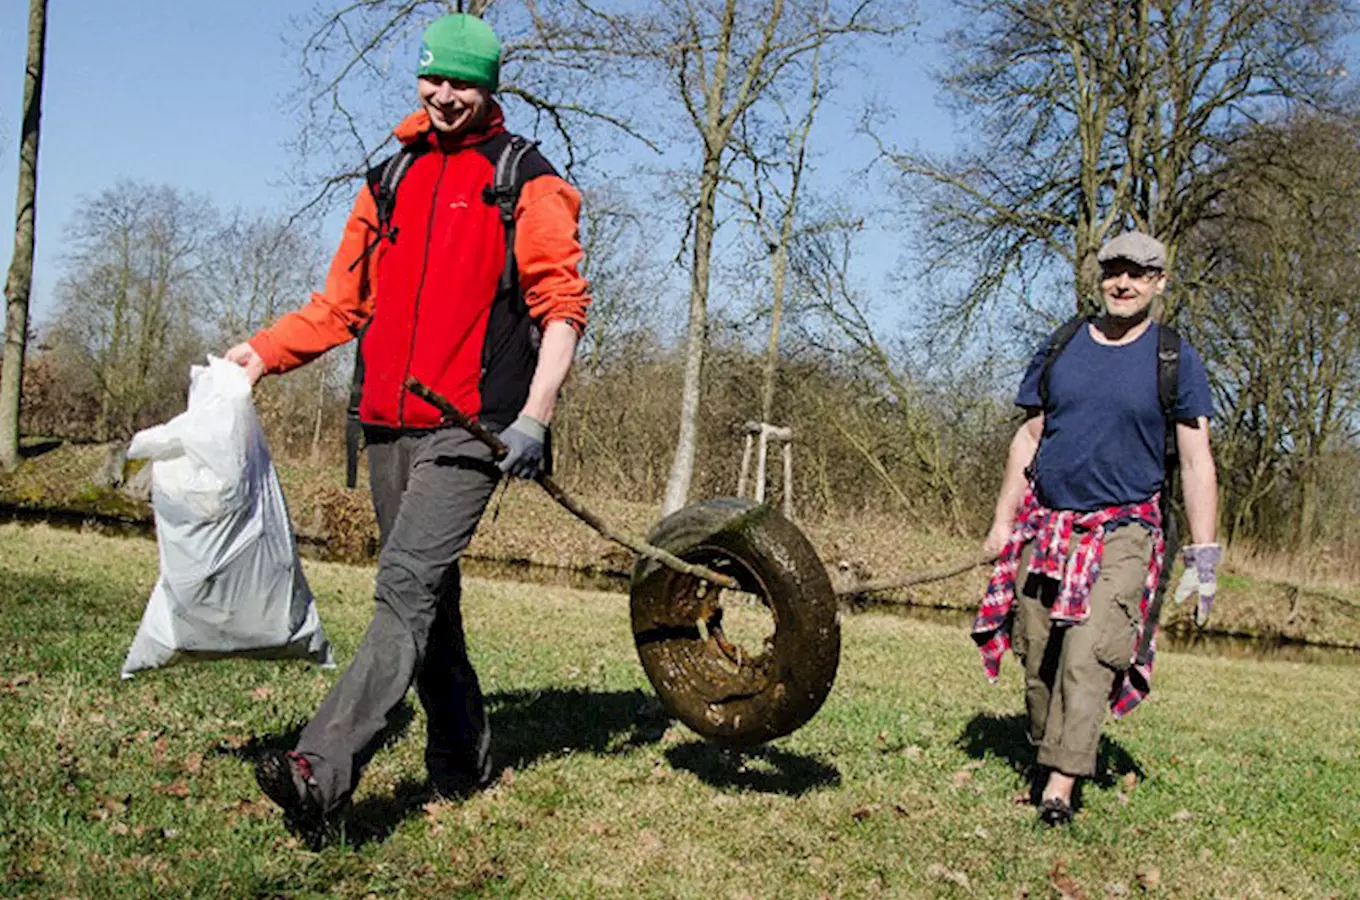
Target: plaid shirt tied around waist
[(1068, 547)]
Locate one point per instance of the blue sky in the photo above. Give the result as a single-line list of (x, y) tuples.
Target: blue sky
[(191, 95), (185, 94)]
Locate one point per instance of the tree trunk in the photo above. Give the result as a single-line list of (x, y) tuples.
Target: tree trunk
[(682, 468), (19, 282), (770, 369)]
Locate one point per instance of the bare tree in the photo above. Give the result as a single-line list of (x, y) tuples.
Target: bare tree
[(722, 58), (357, 67), (893, 424), (623, 271), (131, 298), (716, 59), (255, 267), (19, 281), (1277, 322), (772, 195), (1095, 115)]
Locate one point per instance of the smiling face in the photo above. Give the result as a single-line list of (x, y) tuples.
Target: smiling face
[(1129, 289), (454, 106)]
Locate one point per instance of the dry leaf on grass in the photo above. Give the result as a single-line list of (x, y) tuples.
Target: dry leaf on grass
[(12, 685), (944, 873), (435, 808), (232, 741), (252, 809), (110, 806), (1062, 883), (174, 789)]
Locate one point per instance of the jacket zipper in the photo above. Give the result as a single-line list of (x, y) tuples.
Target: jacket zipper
[(420, 289)]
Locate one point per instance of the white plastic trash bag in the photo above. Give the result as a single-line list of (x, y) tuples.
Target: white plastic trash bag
[(230, 581)]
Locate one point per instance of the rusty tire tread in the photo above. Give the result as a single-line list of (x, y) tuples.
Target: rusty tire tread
[(782, 688)]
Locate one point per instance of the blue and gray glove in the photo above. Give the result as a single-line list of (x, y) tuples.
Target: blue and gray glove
[(524, 447), (1200, 578)]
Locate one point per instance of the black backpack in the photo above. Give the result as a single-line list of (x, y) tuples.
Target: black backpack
[(1168, 380), (509, 179)]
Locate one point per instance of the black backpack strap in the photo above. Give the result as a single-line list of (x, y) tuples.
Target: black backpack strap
[(354, 428), (507, 182), (1056, 344), (1168, 392), (383, 180), (1168, 387)]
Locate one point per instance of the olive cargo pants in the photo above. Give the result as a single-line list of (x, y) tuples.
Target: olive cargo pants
[(429, 492), (1070, 670)]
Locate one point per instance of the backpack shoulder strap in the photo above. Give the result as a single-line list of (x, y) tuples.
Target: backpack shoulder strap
[(1168, 389), (1168, 383), (1056, 344), (516, 161), (383, 180)]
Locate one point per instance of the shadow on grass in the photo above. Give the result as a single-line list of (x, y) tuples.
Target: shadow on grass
[(764, 769), (287, 739), (528, 725), (1007, 738), (32, 448), (525, 726)]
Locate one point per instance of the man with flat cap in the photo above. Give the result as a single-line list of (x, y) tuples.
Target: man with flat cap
[(1113, 402)]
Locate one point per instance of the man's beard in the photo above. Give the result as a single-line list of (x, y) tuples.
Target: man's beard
[(1128, 318)]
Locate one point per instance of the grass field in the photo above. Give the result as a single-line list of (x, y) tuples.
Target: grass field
[(1237, 778), (1310, 599)]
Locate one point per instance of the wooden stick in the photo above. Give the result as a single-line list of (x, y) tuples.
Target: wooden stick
[(917, 578), (640, 547)]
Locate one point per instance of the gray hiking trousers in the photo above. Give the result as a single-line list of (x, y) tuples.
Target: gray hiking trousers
[(429, 492)]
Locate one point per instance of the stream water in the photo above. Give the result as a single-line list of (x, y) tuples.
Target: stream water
[(1208, 644)]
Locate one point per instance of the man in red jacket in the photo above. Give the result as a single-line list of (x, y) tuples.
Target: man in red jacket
[(425, 293)]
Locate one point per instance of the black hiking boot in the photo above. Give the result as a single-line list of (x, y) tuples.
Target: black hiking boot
[(450, 781), (1055, 812), (286, 778)]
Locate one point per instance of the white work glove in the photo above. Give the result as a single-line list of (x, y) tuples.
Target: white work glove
[(1201, 574)]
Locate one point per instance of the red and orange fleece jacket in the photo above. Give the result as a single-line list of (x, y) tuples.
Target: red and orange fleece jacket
[(425, 294)]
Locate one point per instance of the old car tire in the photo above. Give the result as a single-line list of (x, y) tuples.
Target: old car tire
[(733, 695)]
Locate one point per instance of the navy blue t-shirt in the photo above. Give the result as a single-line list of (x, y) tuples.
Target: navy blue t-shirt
[(1104, 435)]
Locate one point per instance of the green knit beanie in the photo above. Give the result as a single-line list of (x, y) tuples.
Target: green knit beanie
[(461, 47)]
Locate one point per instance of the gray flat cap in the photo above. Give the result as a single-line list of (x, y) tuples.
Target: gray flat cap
[(1141, 249)]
